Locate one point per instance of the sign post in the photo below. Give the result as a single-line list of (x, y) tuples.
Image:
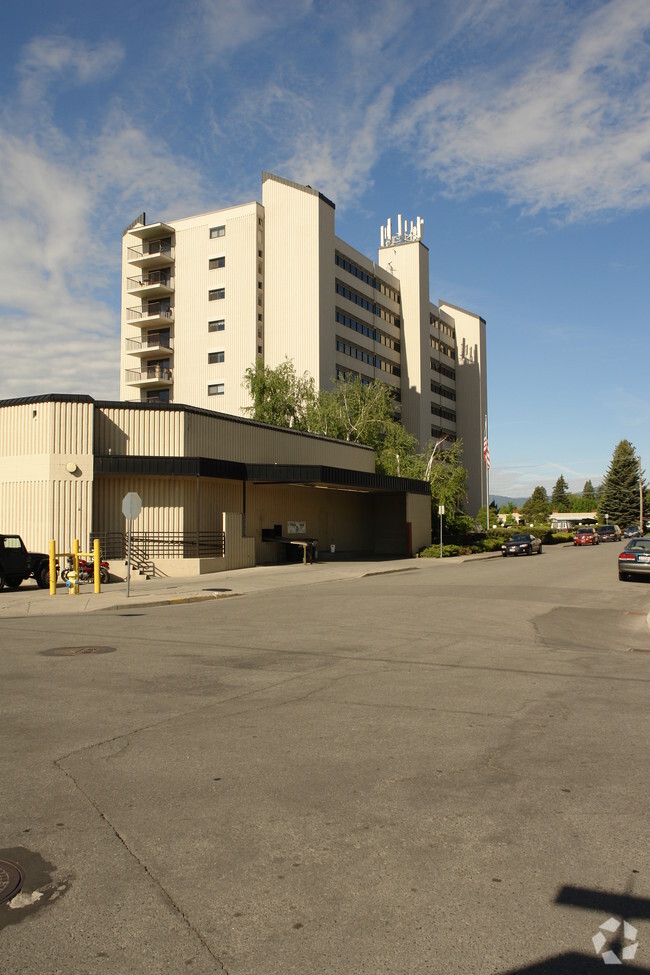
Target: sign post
[(441, 511), (131, 508)]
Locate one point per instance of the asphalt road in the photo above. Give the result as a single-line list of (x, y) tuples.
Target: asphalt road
[(442, 770)]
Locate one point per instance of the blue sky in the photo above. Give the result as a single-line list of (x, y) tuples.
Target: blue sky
[(519, 131)]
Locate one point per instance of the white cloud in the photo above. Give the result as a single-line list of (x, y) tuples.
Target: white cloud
[(61, 59), (63, 203), (571, 131)]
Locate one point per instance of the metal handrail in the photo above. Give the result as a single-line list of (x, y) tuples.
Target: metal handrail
[(149, 545), (153, 341)]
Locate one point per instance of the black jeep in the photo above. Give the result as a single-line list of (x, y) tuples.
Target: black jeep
[(17, 564)]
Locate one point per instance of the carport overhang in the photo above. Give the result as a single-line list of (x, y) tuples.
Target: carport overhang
[(306, 475)]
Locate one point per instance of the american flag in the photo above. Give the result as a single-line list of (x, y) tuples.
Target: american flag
[(486, 449)]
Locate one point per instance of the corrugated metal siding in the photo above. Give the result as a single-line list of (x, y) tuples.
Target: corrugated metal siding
[(26, 429), (72, 502), (136, 432), (163, 503), (169, 504), (228, 440), (72, 428), (26, 511)]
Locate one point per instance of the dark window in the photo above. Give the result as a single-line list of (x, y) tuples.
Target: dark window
[(217, 294), (216, 389), (217, 232), (216, 357), (216, 262), (217, 326)]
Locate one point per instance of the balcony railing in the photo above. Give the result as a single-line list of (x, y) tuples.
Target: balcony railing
[(151, 254), (151, 248), (153, 311), (153, 341), (152, 375), (151, 280)]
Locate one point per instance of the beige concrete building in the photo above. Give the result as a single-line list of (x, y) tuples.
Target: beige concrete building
[(204, 296), (217, 491)]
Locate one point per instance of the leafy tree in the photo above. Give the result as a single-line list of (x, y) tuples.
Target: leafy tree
[(481, 517), (589, 496), (279, 395), (620, 495), (560, 495), (448, 478), (537, 508), (358, 413)]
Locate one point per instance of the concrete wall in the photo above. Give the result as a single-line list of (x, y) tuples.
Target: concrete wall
[(471, 406)]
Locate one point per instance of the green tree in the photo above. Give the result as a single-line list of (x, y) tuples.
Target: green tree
[(560, 495), (279, 395), (537, 508), (448, 479), (589, 496), (620, 498), (481, 517)]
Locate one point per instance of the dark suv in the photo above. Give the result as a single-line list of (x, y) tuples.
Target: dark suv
[(609, 533), (17, 564)]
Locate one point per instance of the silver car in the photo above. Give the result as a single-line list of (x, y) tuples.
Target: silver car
[(634, 560)]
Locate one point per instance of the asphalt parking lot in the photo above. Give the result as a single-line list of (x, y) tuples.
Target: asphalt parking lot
[(430, 768)]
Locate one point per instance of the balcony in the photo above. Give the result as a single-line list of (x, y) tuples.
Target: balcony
[(152, 344), (152, 377), (156, 314), (151, 284), (152, 254)]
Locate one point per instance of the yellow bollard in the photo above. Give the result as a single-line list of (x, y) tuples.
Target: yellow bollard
[(75, 558), (52, 568), (97, 565)]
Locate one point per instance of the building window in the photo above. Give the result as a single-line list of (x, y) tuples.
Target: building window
[(216, 357), (217, 232), (217, 294), (158, 396), (216, 262), (259, 317), (218, 325), (216, 389)]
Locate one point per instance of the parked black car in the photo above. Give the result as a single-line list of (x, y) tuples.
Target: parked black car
[(609, 533), (524, 544), (17, 564)]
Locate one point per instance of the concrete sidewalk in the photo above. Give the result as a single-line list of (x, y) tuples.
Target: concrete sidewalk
[(28, 600)]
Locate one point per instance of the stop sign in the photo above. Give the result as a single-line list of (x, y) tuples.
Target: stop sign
[(132, 505)]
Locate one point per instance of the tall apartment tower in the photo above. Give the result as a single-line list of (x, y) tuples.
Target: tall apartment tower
[(203, 297)]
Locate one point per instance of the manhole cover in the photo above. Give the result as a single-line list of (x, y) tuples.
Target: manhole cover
[(75, 651), (11, 880)]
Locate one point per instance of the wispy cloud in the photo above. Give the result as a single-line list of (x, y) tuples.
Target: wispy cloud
[(64, 200), (63, 61), (568, 131)]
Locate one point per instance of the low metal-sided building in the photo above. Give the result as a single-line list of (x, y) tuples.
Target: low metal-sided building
[(218, 491)]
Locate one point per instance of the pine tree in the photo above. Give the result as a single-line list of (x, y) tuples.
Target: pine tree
[(619, 498), (560, 496), (537, 508), (589, 496)]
